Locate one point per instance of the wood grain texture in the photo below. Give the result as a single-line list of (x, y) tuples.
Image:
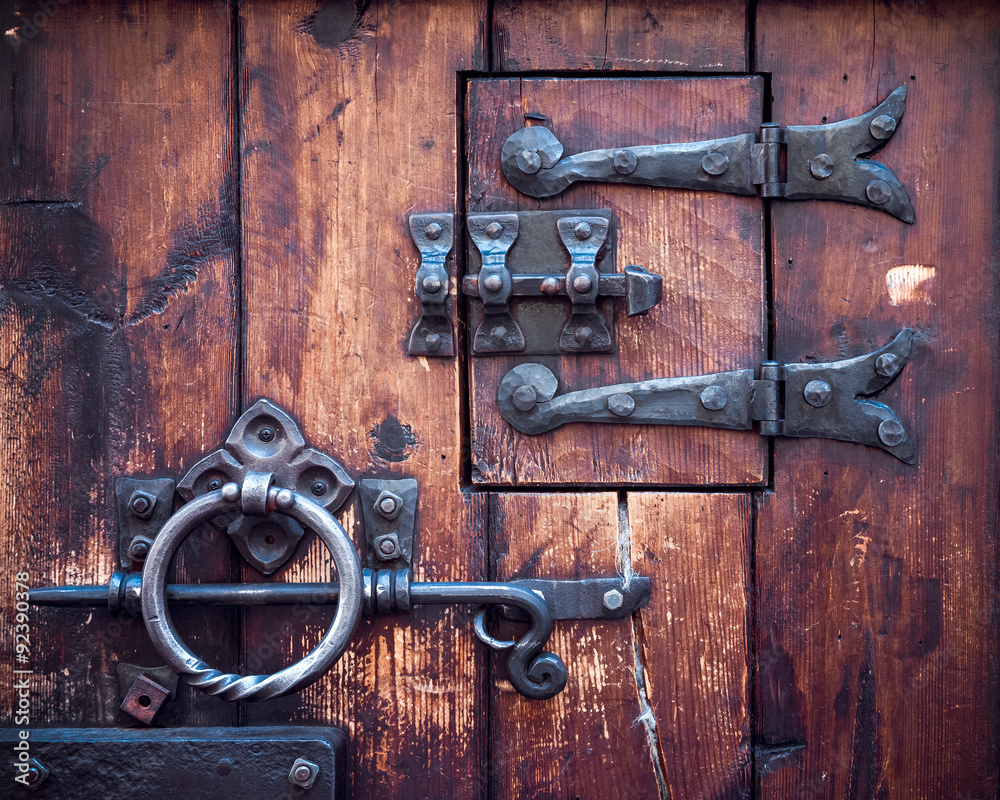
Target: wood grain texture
[(350, 124), (589, 35), (693, 639), (707, 246), (118, 353), (584, 742), (877, 625)]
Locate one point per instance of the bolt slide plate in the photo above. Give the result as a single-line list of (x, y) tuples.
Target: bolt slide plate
[(221, 763)]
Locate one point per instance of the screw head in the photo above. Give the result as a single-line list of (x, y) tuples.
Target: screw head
[(582, 284), (318, 488), (529, 162), (887, 365), (498, 334), (613, 600), (621, 405), (550, 286), (625, 162), (715, 163), (879, 192), (714, 398), (432, 284), (891, 432), (433, 230), (433, 342), (817, 393), (138, 550), (266, 434), (494, 229), (882, 127), (214, 485), (582, 334), (582, 231), (525, 397), (493, 282), (821, 166)]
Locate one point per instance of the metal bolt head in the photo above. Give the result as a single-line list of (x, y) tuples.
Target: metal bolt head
[(887, 365), (817, 393), (432, 284), (138, 549), (141, 504), (493, 283), (625, 162), (433, 231), (303, 773), (821, 166), (715, 163), (37, 773), (494, 229), (621, 405), (582, 334), (433, 342), (529, 162), (582, 284), (318, 488), (891, 432), (879, 192), (714, 398), (882, 127), (388, 505), (387, 547), (582, 231), (613, 600), (266, 434), (224, 767), (550, 286), (525, 397)]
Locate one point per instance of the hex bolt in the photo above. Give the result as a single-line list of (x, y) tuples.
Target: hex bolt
[(387, 547), (582, 334), (493, 282), (879, 192), (714, 163), (621, 405), (494, 229), (882, 127), (613, 600), (387, 506), (891, 432), (821, 166), (550, 286), (525, 397), (582, 284), (432, 284), (318, 488), (817, 393), (303, 773), (582, 231), (625, 162), (433, 231), (498, 334), (141, 504), (138, 549), (714, 398), (266, 434), (887, 365), (433, 342), (529, 162), (37, 773)]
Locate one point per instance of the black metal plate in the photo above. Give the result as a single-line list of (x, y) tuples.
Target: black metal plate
[(182, 763)]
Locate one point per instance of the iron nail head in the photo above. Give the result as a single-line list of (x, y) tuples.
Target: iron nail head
[(821, 166), (714, 398), (582, 284), (882, 127), (887, 365), (433, 230), (582, 230), (625, 162), (891, 432), (432, 284), (525, 397), (582, 334), (433, 342), (494, 229), (715, 163), (817, 393), (493, 282), (879, 192), (621, 405)]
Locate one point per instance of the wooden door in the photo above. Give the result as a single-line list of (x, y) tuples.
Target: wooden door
[(206, 203)]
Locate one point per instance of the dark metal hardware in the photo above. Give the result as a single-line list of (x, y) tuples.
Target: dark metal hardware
[(221, 763), (433, 334), (822, 162), (144, 700), (828, 400), (389, 511), (132, 676), (519, 273)]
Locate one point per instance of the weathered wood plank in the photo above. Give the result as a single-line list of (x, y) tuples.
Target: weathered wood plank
[(876, 625), (118, 354), (707, 246), (589, 35), (693, 639), (349, 125)]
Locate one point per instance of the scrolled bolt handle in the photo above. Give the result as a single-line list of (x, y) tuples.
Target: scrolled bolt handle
[(291, 679)]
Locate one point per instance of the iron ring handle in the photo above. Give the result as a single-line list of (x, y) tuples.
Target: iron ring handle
[(196, 672)]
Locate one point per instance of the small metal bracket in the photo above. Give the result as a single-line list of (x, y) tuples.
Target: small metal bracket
[(829, 400), (823, 162), (534, 270), (143, 507), (433, 334), (389, 510)]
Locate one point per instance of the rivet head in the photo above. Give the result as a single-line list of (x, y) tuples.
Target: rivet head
[(498, 334), (432, 284), (625, 162), (821, 166), (582, 334), (817, 393), (621, 405), (582, 284), (887, 365), (433, 230), (882, 127), (878, 192), (715, 163), (494, 229), (266, 434), (613, 600), (891, 432), (550, 286), (493, 283), (318, 488), (433, 342), (582, 231), (231, 492), (714, 398), (525, 397), (224, 767), (529, 162)]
